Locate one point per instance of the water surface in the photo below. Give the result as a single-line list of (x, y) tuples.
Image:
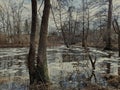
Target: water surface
[(68, 68)]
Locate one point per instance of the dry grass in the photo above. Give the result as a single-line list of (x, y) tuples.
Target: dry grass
[(4, 80), (52, 87), (40, 86), (14, 79), (113, 80)]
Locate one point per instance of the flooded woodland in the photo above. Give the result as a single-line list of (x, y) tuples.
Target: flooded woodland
[(59, 44), (69, 69)]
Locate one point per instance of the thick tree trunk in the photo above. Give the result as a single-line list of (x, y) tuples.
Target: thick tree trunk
[(31, 56), (42, 70), (108, 38)]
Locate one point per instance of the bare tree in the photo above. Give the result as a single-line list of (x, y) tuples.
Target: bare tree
[(83, 25), (109, 22), (60, 19), (31, 56), (11, 15), (26, 27), (117, 30), (42, 70)]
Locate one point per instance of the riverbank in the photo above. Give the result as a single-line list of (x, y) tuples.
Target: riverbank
[(54, 43), (13, 46)]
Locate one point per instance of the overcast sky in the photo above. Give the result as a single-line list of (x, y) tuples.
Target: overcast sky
[(27, 4)]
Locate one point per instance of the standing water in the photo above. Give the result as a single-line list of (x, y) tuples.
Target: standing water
[(72, 69)]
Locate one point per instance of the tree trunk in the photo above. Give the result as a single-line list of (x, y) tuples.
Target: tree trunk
[(62, 28), (119, 43), (117, 30), (31, 56), (83, 32), (108, 38), (42, 71), (88, 24), (64, 38)]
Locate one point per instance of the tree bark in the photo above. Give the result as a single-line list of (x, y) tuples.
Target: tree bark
[(108, 41), (119, 43), (31, 56), (64, 38), (42, 70), (83, 23), (117, 31)]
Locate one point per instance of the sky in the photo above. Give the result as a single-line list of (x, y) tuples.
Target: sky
[(27, 5)]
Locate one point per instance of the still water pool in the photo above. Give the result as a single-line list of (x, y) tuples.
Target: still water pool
[(73, 68)]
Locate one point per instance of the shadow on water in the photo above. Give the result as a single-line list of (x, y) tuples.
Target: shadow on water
[(69, 69)]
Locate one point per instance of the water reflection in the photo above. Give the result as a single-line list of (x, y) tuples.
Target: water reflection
[(108, 68), (13, 71), (68, 68), (119, 68), (85, 70)]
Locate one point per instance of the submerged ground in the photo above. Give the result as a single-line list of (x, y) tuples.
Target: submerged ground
[(71, 68)]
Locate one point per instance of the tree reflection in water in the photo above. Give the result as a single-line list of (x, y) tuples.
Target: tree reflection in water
[(85, 72), (70, 69)]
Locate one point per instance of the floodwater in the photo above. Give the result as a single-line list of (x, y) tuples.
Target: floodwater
[(72, 68)]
